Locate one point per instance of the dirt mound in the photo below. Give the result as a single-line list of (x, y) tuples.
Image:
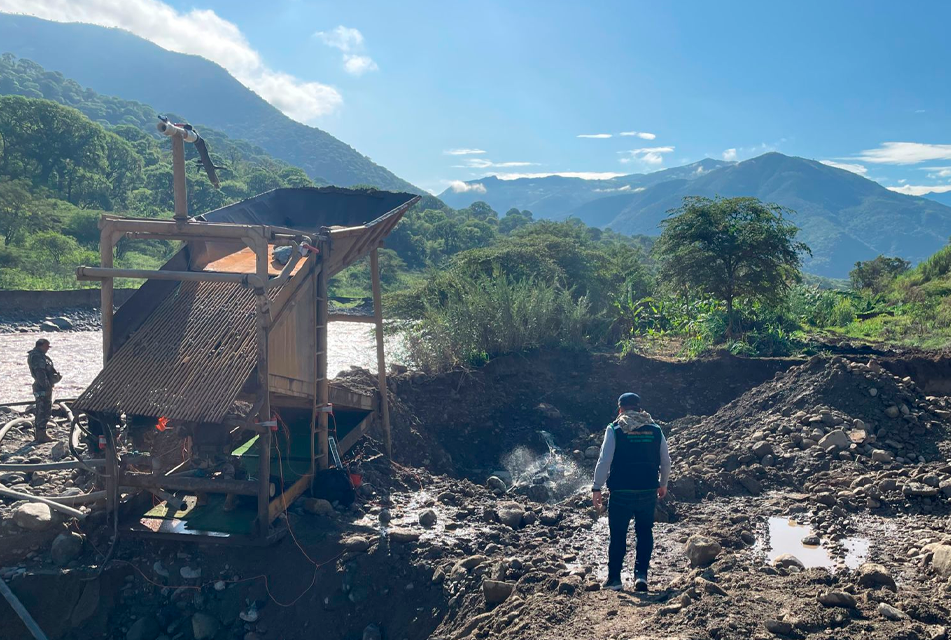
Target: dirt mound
[(827, 416)]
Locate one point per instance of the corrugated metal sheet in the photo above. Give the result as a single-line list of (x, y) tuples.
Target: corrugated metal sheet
[(188, 361)]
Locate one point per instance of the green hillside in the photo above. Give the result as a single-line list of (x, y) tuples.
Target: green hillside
[(188, 85)]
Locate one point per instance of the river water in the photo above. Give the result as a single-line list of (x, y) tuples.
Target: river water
[(78, 357)]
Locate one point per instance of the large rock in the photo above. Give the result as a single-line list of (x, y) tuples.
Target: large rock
[(496, 591), (836, 438), (919, 490), (788, 560), (592, 453), (872, 575), (34, 516), (204, 626), (761, 449), (146, 628), (496, 485), (880, 455), (941, 560), (889, 612), (778, 627), (428, 518), (355, 543), (701, 550), (403, 536), (66, 548), (48, 326), (319, 507), (837, 599), (63, 323), (511, 514)]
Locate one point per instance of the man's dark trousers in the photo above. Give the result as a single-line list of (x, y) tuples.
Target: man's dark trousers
[(622, 507)]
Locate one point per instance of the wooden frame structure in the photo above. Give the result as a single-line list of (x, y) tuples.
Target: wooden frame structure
[(243, 327)]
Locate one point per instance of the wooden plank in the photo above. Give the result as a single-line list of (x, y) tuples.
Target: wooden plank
[(106, 294), (323, 385), (280, 504), (347, 317), (380, 355), (347, 442)]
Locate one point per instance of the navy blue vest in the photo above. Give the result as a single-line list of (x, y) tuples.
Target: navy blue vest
[(636, 463)]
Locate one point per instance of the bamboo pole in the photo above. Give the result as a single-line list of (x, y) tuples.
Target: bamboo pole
[(380, 355), (264, 388), (178, 177), (323, 386), (106, 292)]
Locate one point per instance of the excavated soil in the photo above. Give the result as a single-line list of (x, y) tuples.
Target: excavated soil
[(436, 548)]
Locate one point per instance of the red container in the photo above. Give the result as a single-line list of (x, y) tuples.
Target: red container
[(356, 480)]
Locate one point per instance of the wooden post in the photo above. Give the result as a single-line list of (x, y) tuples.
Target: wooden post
[(178, 178), (380, 356), (323, 385), (106, 291), (264, 388)]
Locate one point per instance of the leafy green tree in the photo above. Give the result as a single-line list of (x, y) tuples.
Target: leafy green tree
[(875, 275), (731, 248)]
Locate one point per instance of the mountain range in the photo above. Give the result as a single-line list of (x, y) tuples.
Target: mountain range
[(116, 62), (843, 217)]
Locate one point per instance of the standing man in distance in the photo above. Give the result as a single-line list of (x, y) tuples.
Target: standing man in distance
[(635, 464), (45, 377)]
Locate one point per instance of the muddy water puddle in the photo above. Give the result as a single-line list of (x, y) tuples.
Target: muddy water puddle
[(786, 535), (78, 357)]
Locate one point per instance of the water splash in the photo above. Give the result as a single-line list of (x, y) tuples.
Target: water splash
[(549, 477)]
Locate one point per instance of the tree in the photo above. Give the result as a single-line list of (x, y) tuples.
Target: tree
[(875, 275), (731, 248)]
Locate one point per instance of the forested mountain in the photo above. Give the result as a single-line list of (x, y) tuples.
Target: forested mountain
[(555, 197), (844, 217), (116, 62)]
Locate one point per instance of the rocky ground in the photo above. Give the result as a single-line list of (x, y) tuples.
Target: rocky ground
[(70, 319), (508, 546)]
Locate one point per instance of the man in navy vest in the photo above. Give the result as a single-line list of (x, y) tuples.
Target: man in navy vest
[(635, 463)]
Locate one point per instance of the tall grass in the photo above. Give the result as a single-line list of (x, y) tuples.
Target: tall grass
[(472, 318), (933, 268)]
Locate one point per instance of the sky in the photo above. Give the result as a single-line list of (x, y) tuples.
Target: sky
[(449, 91)]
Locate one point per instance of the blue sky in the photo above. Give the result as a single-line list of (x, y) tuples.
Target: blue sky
[(861, 84)]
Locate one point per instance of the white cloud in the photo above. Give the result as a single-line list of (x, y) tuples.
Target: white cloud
[(201, 32), (729, 155), (463, 152), (598, 136), (584, 175), (937, 172), (854, 168), (639, 189), (906, 153), (481, 163), (344, 38), (350, 42), (358, 65), (626, 187), (458, 186), (920, 190), (648, 155), (643, 135)]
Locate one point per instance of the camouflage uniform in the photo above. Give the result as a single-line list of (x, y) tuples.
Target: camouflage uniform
[(44, 377)]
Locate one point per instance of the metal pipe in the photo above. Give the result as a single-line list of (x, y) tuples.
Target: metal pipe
[(5, 491), (174, 131), (179, 184), (179, 483), (97, 273), (21, 611), (52, 466)]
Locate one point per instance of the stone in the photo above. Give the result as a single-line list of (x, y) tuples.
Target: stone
[(63, 323), (496, 592), (372, 632), (59, 451), (837, 599), (548, 411), (788, 560), (778, 627), (919, 490), (204, 626), (403, 536), (873, 392), (751, 484), (511, 514), (550, 518), (538, 493), (427, 518), (496, 485), (471, 562), (889, 612), (945, 487), (357, 544), (872, 575), (701, 550), (836, 438), (811, 540), (592, 452), (146, 628), (880, 455), (319, 507), (762, 449), (48, 326), (892, 411), (190, 574), (941, 560), (34, 516), (66, 548)]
